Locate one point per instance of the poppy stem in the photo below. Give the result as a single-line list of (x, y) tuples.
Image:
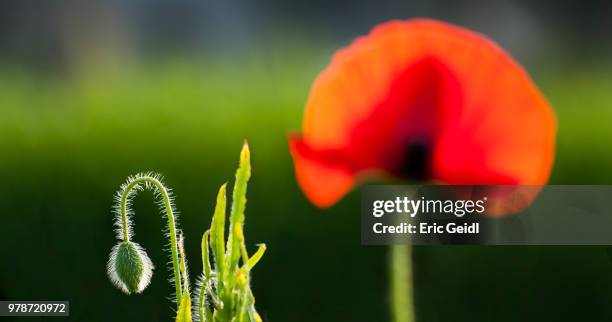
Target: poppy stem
[(152, 181), (400, 264)]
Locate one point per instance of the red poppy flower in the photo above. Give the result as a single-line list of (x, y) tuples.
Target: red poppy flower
[(426, 100)]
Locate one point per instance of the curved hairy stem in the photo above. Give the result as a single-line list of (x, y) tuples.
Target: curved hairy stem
[(124, 196)]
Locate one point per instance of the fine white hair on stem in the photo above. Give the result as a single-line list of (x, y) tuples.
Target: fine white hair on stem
[(204, 284), (183, 262), (164, 199), (199, 288), (125, 195)]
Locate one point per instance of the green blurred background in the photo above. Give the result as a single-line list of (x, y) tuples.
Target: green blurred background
[(91, 93)]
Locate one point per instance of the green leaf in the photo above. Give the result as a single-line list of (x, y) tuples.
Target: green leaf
[(225, 294), (184, 311), (256, 257), (237, 214), (202, 311), (205, 254), (217, 233)]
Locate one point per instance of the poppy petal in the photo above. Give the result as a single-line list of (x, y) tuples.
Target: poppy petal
[(427, 100), (323, 183)]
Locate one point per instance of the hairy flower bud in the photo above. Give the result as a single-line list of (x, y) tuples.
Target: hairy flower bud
[(129, 267)]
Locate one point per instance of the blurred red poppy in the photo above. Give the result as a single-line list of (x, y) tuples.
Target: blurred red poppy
[(424, 100)]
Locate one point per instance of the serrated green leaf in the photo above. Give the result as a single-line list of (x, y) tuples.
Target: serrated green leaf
[(225, 295), (217, 232), (184, 311), (237, 213)]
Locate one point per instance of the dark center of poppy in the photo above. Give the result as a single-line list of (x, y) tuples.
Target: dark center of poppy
[(416, 161)]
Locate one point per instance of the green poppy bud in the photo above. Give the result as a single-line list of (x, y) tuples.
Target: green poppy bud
[(129, 267)]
